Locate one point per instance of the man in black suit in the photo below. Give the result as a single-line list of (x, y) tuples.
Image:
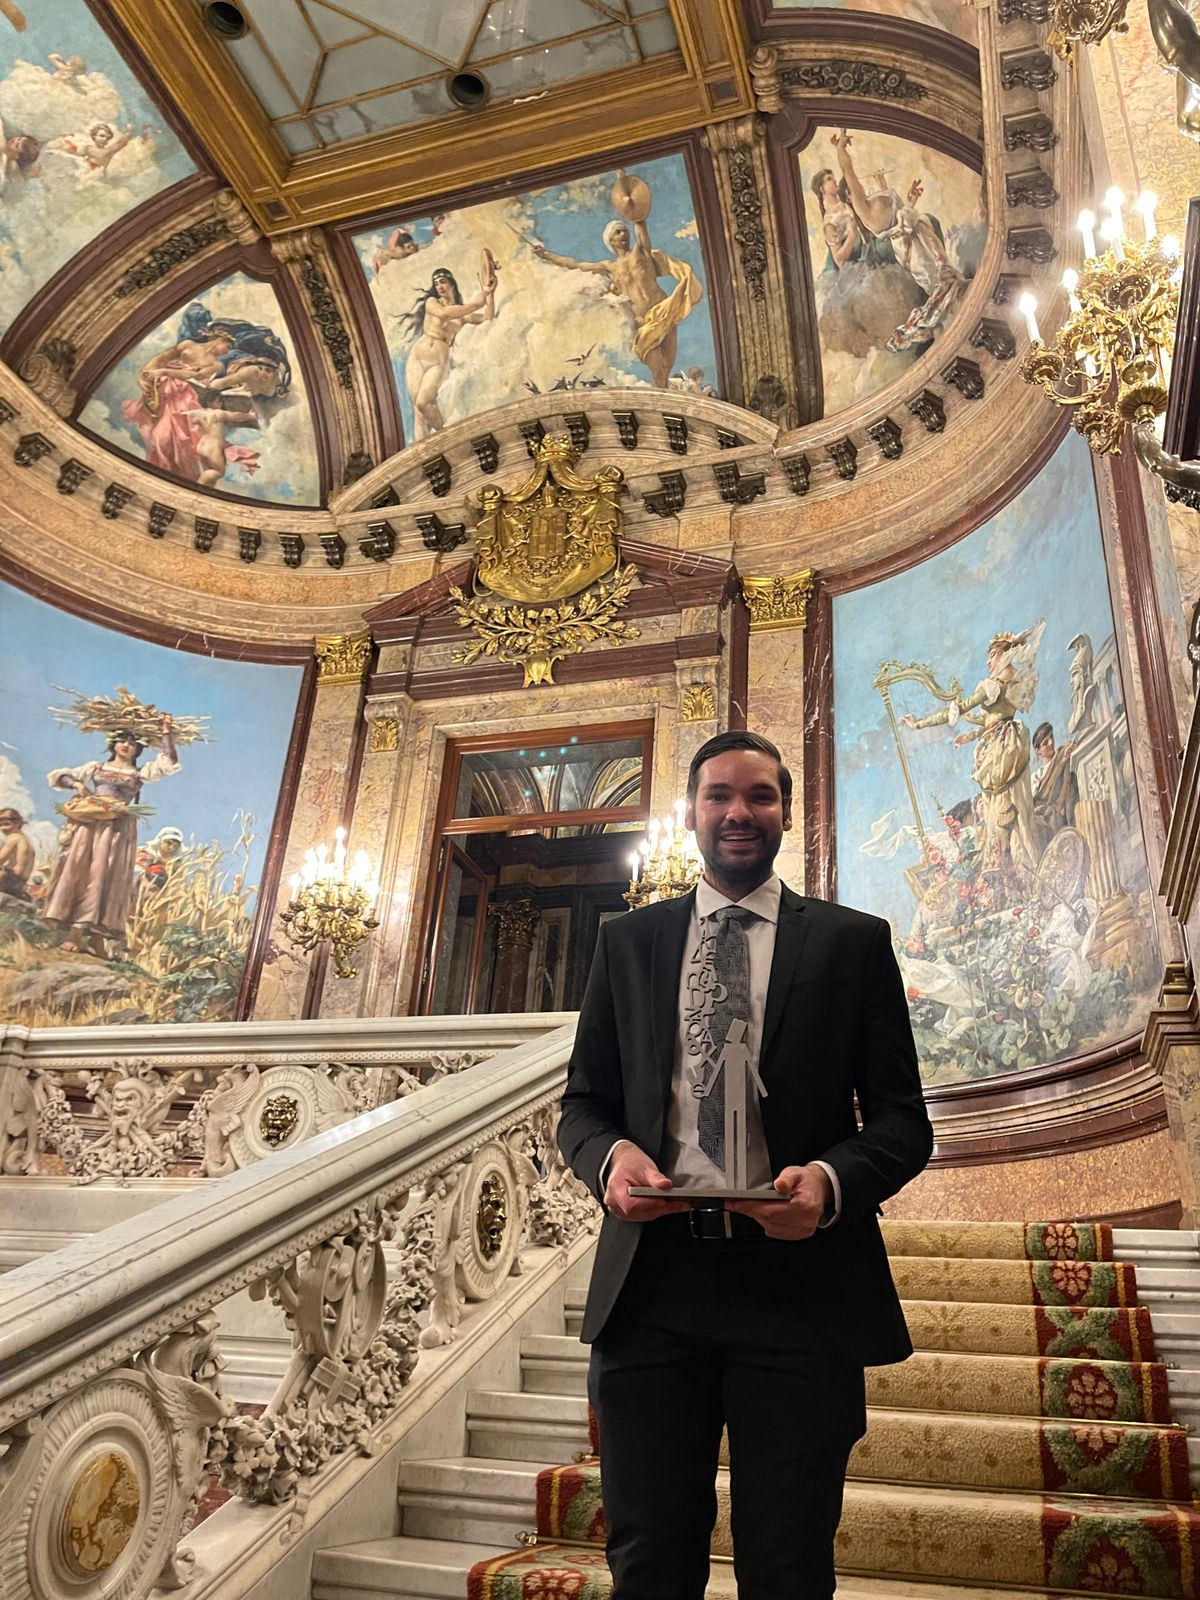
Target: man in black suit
[(759, 1317)]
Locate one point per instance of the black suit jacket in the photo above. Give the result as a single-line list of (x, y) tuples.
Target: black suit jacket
[(836, 1026)]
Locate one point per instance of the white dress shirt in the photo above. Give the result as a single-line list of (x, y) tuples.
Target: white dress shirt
[(682, 1159)]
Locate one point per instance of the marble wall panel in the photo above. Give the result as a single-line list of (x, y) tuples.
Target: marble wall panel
[(1131, 1176), (776, 710)]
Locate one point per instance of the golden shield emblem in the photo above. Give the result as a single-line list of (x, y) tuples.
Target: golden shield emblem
[(554, 534)]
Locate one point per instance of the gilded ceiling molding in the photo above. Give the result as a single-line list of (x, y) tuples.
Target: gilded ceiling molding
[(309, 262), (115, 283), (760, 301), (665, 96)]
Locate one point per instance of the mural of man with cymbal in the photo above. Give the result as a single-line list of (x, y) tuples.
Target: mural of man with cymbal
[(633, 272)]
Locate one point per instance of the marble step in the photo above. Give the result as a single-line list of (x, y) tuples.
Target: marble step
[(906, 1445), (1173, 1284), (477, 1499), (902, 1526), (403, 1568), (1155, 1244), (524, 1425)]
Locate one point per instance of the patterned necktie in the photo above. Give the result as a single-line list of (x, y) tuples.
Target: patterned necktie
[(731, 967)]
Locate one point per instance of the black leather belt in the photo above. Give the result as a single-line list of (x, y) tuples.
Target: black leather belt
[(710, 1221)]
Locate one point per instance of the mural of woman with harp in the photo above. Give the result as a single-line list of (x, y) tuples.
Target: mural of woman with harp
[(1001, 763)]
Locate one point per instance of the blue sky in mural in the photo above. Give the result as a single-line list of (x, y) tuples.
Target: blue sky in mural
[(85, 143), (1040, 557), (251, 709), (238, 421), (554, 326)]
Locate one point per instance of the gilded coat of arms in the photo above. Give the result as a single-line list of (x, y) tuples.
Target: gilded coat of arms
[(542, 544)]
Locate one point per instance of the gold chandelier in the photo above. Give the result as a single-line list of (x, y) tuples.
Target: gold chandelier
[(1110, 362), (666, 864), (332, 899)]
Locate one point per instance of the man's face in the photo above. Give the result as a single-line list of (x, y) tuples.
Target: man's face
[(739, 815), (620, 239), (1045, 750)]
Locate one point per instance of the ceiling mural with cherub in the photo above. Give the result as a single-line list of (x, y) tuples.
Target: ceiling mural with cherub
[(137, 789), (598, 280), (896, 233), (81, 142), (986, 803), (214, 396)]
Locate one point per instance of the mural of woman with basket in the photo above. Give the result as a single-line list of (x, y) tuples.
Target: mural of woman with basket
[(90, 893)]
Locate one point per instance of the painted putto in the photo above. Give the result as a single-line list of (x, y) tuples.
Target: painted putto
[(985, 791), (896, 233), (130, 822), (596, 281), (81, 142), (212, 397)]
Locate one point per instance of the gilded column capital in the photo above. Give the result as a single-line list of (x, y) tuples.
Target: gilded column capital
[(779, 600), (738, 133), (515, 922), (342, 657)]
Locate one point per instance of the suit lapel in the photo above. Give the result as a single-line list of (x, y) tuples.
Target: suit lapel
[(666, 964), (790, 936)]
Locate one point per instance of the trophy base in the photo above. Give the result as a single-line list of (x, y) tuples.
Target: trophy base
[(707, 1197)]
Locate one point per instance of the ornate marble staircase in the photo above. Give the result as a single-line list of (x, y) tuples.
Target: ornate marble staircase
[(952, 1463)]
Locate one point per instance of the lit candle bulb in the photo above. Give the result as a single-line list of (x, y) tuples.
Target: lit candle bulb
[(1112, 233), (1070, 280), (1086, 224), (679, 805), (1027, 306), (1114, 199), (635, 867), (295, 880), (1169, 245), (1147, 203)]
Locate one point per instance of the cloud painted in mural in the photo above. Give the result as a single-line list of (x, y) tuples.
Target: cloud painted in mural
[(985, 794), (952, 16), (213, 397), (143, 913), (597, 281), (81, 143), (895, 234)]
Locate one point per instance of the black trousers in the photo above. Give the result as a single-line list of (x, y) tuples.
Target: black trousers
[(706, 1334)]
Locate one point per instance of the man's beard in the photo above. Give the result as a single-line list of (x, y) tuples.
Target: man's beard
[(739, 868)]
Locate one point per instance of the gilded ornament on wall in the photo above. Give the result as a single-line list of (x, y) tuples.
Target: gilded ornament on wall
[(698, 703), (548, 580), (385, 734), (342, 657), (779, 601)]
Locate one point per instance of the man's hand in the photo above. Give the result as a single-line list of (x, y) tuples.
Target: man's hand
[(631, 1166), (810, 1191)]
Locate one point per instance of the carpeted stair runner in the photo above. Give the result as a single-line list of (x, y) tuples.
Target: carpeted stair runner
[(1027, 1445)]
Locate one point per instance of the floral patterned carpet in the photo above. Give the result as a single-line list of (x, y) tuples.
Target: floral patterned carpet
[(1027, 1444)]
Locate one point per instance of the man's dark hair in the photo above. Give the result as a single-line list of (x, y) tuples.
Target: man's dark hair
[(1043, 731), (737, 740)]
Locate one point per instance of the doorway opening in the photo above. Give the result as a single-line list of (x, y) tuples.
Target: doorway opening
[(534, 833)]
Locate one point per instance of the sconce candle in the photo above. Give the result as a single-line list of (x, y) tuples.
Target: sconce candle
[(1027, 305)]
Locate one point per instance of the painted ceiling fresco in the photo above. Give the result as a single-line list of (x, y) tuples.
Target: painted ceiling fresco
[(215, 397), (597, 281), (325, 73), (952, 16), (996, 824), (81, 142), (896, 232)]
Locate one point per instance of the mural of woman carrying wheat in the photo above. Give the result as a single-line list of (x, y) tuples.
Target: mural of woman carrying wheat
[(91, 889)]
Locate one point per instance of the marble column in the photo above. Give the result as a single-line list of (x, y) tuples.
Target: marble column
[(1171, 1045), (516, 922), (378, 804), (775, 696), (321, 801)]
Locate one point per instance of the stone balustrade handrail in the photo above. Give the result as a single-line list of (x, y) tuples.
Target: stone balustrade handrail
[(365, 1041), (82, 1311)]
